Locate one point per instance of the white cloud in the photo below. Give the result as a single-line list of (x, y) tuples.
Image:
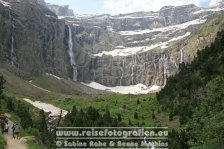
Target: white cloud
[(126, 6), (214, 2)]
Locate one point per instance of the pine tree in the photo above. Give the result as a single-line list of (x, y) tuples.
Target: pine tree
[(138, 102), (153, 115), (107, 118), (171, 116), (2, 82), (129, 122), (42, 126), (136, 115), (26, 120), (119, 118)]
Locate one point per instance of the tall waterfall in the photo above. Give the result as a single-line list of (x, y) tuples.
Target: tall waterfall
[(12, 52), (71, 55), (134, 61), (93, 69), (164, 20), (181, 55), (122, 72), (164, 59)]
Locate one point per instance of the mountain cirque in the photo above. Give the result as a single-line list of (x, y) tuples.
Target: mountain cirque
[(142, 47)]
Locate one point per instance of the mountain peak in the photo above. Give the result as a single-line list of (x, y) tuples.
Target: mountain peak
[(172, 7)]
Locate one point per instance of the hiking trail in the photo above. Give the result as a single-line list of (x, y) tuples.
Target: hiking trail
[(11, 142)]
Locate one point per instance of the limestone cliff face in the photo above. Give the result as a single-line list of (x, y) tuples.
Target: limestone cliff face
[(33, 40), (143, 47)]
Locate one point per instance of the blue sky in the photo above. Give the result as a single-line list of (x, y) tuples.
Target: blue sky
[(124, 6), (82, 6)]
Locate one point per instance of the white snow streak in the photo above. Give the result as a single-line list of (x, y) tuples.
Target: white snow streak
[(208, 10), (133, 50), (5, 4), (55, 111), (48, 74), (40, 88), (163, 29)]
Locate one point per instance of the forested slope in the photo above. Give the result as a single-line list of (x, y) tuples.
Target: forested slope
[(196, 94)]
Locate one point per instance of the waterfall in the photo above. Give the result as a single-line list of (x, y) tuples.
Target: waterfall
[(164, 19), (71, 55), (134, 61), (155, 71), (132, 74), (12, 52), (181, 55), (93, 69), (122, 72), (176, 66), (164, 59), (94, 74)]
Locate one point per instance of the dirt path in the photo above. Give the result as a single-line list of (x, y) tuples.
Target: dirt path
[(14, 143)]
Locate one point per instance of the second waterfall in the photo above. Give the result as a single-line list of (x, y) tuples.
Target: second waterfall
[(72, 56)]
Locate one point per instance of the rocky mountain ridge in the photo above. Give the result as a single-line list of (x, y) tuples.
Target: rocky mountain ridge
[(58, 10)]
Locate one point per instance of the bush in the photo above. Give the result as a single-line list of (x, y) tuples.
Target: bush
[(2, 142), (34, 132), (136, 115)]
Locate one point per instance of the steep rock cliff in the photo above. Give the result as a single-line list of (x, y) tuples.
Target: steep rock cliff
[(32, 39)]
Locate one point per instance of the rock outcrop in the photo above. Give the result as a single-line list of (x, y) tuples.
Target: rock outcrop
[(41, 2), (32, 40)]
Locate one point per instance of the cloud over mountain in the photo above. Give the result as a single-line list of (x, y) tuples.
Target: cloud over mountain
[(127, 6)]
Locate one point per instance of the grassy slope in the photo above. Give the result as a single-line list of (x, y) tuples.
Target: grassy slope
[(65, 86), (18, 86), (126, 105), (112, 102), (59, 89), (100, 100)]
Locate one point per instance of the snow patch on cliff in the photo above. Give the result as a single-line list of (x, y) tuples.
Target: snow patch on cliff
[(208, 10), (126, 51), (5, 4), (163, 29)]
